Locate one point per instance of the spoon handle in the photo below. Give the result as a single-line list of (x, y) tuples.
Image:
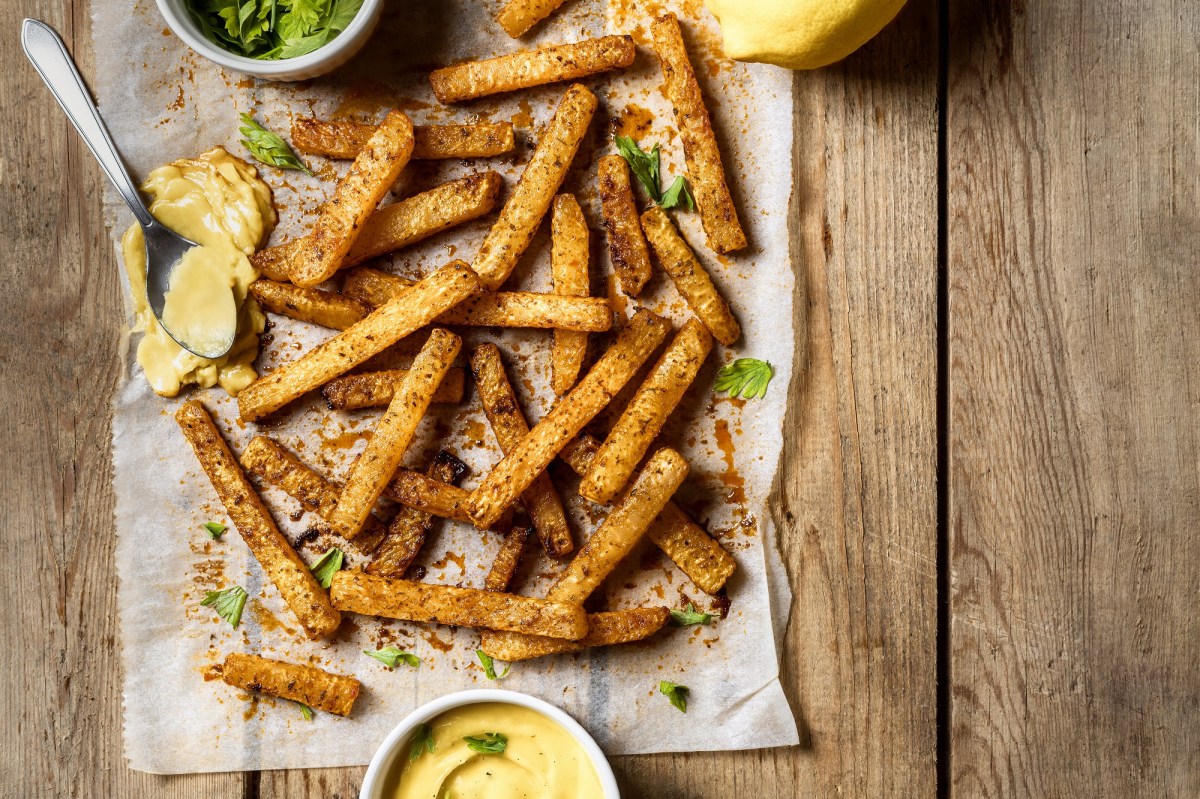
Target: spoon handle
[(50, 58)]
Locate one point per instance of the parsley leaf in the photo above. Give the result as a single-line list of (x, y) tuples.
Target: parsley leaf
[(689, 616), (215, 530), (490, 743), (747, 377), (327, 566), (422, 742), (677, 693), (305, 711), (678, 194), (268, 147), (228, 603), (272, 29), (392, 657), (643, 165), (489, 666)]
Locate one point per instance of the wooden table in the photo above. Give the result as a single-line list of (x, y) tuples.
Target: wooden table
[(990, 497)]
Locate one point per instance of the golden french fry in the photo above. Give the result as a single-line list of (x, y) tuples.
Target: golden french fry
[(345, 140), (491, 308), (646, 413), (324, 308), (376, 464), (369, 595), (290, 575), (507, 559), (308, 685), (522, 213), (269, 461), (629, 519), (415, 490), (398, 225), (697, 554), (508, 73), (385, 326), (518, 16), (354, 199), (604, 629), (689, 277), (375, 389), (509, 426), (641, 336), (569, 270), (700, 151), (406, 534), (626, 243)]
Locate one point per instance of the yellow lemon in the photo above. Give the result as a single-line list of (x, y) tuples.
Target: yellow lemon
[(799, 34)]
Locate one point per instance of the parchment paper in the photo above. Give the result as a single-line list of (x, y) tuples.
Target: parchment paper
[(163, 102)]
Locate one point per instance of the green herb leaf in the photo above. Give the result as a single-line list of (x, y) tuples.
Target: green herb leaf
[(343, 14), (422, 742), (689, 616), (489, 666), (747, 377), (268, 147), (678, 194), (272, 29), (305, 711), (215, 530), (643, 165), (677, 693), (490, 743), (228, 603), (327, 566), (392, 657)]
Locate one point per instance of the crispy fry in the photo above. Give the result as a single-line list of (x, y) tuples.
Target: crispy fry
[(415, 490), (406, 534), (626, 242), (354, 199), (508, 73), (400, 224), (646, 413), (629, 519), (604, 629), (374, 466), (269, 461), (518, 16), (613, 370), (491, 308), (324, 308), (507, 559), (523, 212), (509, 426), (689, 277), (282, 565), (703, 158), (375, 389), (569, 270), (695, 552), (357, 592), (344, 140), (308, 685), (383, 327)]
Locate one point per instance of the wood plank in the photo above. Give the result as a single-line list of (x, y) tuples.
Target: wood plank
[(58, 346), (858, 506), (1072, 143)]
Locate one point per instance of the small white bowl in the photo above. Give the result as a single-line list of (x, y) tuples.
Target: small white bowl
[(394, 745), (325, 59)]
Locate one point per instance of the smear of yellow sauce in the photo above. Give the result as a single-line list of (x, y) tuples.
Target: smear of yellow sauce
[(219, 202)]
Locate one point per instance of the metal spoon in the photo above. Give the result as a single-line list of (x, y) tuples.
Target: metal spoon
[(164, 247)]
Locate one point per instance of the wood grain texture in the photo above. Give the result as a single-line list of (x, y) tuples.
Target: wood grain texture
[(1075, 397)]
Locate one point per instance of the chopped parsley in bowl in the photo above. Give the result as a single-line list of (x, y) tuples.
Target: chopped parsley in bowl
[(272, 29)]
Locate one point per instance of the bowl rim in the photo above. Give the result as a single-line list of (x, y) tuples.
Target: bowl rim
[(181, 24), (376, 771)]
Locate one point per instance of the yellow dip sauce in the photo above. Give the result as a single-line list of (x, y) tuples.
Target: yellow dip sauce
[(541, 761), (219, 202)]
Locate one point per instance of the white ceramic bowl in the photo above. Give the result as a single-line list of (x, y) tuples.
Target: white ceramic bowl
[(394, 746), (326, 59)]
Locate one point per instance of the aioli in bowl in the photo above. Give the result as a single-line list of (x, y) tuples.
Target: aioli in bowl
[(541, 759)]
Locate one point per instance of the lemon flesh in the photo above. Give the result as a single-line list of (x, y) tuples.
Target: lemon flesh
[(799, 34)]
